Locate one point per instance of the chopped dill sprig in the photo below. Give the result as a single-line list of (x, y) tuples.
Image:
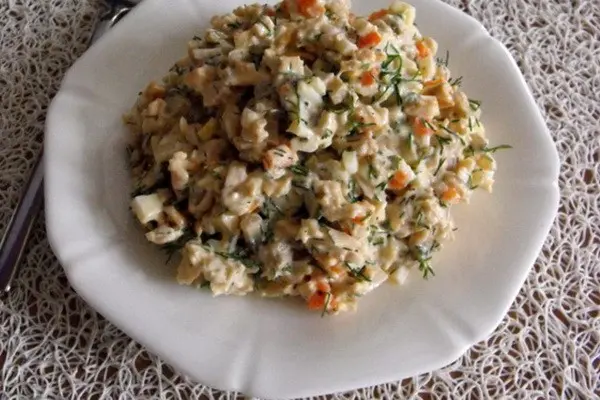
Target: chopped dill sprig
[(356, 273), (474, 104), (455, 81), (299, 169), (270, 209), (204, 285), (267, 233), (462, 141), (391, 57), (492, 150), (419, 222), (428, 124), (395, 161), (326, 305), (373, 173), (469, 151), (376, 241), (279, 152), (242, 257), (264, 24), (399, 99), (442, 141), (470, 183), (173, 247), (355, 126), (443, 61), (352, 191), (178, 69), (382, 186), (439, 166), (424, 259)]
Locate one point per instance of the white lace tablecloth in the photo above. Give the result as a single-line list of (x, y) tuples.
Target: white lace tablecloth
[(53, 346)]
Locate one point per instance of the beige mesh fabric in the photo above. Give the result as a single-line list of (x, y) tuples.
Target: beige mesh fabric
[(53, 346)]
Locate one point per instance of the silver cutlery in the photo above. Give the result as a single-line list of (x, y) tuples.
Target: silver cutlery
[(15, 238)]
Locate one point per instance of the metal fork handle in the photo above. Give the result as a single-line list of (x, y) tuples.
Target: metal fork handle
[(12, 245), (17, 232), (108, 20)]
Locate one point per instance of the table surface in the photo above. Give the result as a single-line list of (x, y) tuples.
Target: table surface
[(53, 346)]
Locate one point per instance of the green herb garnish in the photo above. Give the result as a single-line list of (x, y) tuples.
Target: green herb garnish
[(419, 222), (355, 126), (326, 305), (352, 192), (279, 152), (474, 104), (425, 266), (443, 61), (456, 81), (378, 241), (410, 139), (382, 186), (462, 141), (391, 57), (173, 247), (470, 183), (299, 169), (439, 166), (395, 161), (492, 150), (442, 142), (263, 23), (240, 256), (373, 173), (356, 273)]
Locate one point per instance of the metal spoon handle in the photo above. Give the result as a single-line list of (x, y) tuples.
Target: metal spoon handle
[(12, 245)]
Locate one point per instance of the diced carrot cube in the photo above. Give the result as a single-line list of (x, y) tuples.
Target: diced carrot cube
[(422, 50), (421, 128), (378, 14), (310, 8), (323, 286), (285, 7), (267, 163), (433, 83), (450, 194), (367, 78), (316, 301), (398, 181), (369, 40), (358, 220), (337, 270)]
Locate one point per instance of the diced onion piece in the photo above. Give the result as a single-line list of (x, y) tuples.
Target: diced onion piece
[(164, 235), (350, 161), (147, 207), (400, 275), (343, 240)]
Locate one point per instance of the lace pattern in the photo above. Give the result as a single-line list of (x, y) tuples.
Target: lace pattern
[(53, 346)]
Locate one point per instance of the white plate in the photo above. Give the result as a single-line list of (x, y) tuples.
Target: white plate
[(275, 348)]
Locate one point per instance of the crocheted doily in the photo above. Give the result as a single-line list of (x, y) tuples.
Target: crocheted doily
[(53, 346)]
